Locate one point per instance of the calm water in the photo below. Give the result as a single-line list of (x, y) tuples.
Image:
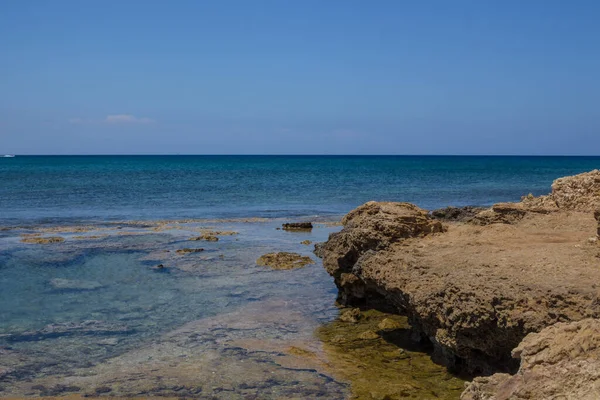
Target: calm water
[(90, 315), (130, 187)]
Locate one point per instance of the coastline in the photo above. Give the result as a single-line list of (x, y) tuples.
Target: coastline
[(475, 289)]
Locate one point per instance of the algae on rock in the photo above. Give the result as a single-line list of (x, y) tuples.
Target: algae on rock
[(377, 357)]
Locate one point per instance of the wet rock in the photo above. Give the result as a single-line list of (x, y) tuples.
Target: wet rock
[(352, 315), (71, 284), (389, 325), (368, 335), (159, 268), (206, 237), (458, 214), (298, 226), (306, 242), (561, 361), (188, 250), (284, 260), (43, 240), (318, 251), (377, 369)]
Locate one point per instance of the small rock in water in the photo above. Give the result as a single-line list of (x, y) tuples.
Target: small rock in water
[(68, 284), (159, 267), (298, 226), (351, 315), (389, 325), (306, 242), (284, 260), (368, 335), (43, 240), (206, 237), (188, 250)]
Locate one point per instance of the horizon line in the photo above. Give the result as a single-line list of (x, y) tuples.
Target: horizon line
[(293, 155)]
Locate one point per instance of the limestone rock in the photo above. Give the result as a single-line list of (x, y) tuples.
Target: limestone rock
[(579, 192), (351, 315), (284, 260), (473, 291), (560, 362), (389, 325), (368, 335)]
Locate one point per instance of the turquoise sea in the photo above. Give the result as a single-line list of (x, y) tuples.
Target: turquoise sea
[(89, 312)]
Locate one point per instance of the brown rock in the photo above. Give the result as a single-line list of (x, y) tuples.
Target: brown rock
[(368, 335), (284, 260), (306, 242), (43, 240), (474, 291), (580, 192), (389, 325), (188, 250), (560, 362), (351, 315), (206, 237), (298, 226)]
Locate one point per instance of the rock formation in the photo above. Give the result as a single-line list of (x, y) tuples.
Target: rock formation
[(284, 260), (561, 359), (477, 289)]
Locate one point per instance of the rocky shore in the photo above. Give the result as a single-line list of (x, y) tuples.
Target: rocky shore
[(490, 289)]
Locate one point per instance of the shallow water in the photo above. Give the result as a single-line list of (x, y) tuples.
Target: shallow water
[(94, 317)]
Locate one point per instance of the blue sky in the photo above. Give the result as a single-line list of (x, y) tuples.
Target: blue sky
[(300, 77)]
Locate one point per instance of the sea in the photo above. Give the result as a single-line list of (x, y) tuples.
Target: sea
[(96, 300)]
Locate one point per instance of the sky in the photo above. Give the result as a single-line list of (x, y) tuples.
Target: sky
[(300, 77)]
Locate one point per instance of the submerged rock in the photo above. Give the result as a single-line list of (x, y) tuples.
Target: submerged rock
[(188, 250), (72, 284), (90, 327), (42, 240), (206, 237), (352, 315), (561, 361), (298, 226), (306, 242), (284, 260), (384, 365)]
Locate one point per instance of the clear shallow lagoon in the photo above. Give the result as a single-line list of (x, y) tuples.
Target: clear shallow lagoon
[(90, 315)]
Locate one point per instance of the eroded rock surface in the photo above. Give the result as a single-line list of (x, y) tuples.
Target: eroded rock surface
[(474, 291), (284, 260), (560, 362)]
